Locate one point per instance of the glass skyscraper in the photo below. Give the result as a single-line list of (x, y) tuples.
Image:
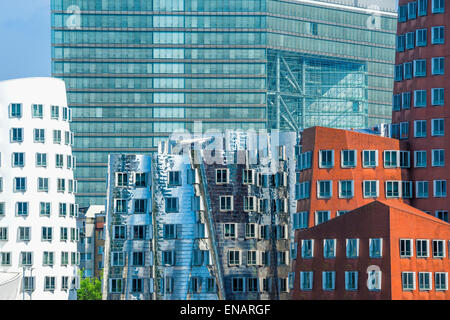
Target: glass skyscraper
[(136, 70)]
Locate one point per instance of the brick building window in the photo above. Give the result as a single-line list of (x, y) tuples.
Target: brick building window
[(370, 158), (351, 280), (375, 247), (306, 280), (307, 249), (348, 158), (424, 281), (352, 248), (328, 280), (329, 248), (324, 189), (226, 203), (326, 158), (441, 281)]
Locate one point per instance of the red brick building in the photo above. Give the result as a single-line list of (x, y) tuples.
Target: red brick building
[(421, 98), (382, 250), (341, 170)]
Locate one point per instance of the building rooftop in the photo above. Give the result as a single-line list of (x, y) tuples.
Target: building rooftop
[(380, 5)]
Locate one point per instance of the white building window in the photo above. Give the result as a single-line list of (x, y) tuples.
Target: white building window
[(326, 158), (408, 281), (348, 158), (422, 247), (346, 189), (441, 281), (406, 248)]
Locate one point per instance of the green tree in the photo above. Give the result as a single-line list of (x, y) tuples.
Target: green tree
[(90, 288)]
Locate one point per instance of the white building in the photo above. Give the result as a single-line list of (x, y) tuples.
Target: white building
[(38, 234)]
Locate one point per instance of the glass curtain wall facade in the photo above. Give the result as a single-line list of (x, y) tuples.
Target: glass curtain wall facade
[(136, 70)]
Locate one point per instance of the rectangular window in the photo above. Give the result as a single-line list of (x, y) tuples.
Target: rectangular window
[(301, 220), (412, 10), (421, 189), (20, 184), (222, 176), (420, 128), (348, 158), (406, 100), (22, 208), (119, 232), (438, 65), (237, 284), (421, 38), (3, 234), (328, 280), (5, 258), (248, 176), (438, 248), (41, 160), (49, 283), (172, 205), (15, 110), (168, 258), (329, 248), (420, 159), (37, 110), (407, 189), (404, 159), (39, 135), (346, 189), (115, 285), (42, 184), (398, 75), (375, 247), (47, 233), (249, 204), (404, 133), (438, 157), (234, 257), (24, 233), (351, 280), (326, 158), (61, 185), (437, 127), (438, 6), (437, 35), (322, 216), (370, 158), (422, 248), (55, 112), (174, 178), (226, 203), (441, 281), (26, 258), (307, 249), (420, 68), (324, 189), (121, 179), (47, 259), (442, 214), (352, 248), (18, 159), (391, 159), (410, 37), (17, 135), (420, 98), (402, 13), (251, 230), (401, 43), (440, 188), (396, 102), (229, 231), (140, 206), (408, 281), (437, 96), (57, 136), (306, 280)]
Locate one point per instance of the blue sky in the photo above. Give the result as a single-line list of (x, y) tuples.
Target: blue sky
[(25, 34), (25, 38)]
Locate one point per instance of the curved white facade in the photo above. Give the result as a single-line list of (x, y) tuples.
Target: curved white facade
[(37, 202)]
